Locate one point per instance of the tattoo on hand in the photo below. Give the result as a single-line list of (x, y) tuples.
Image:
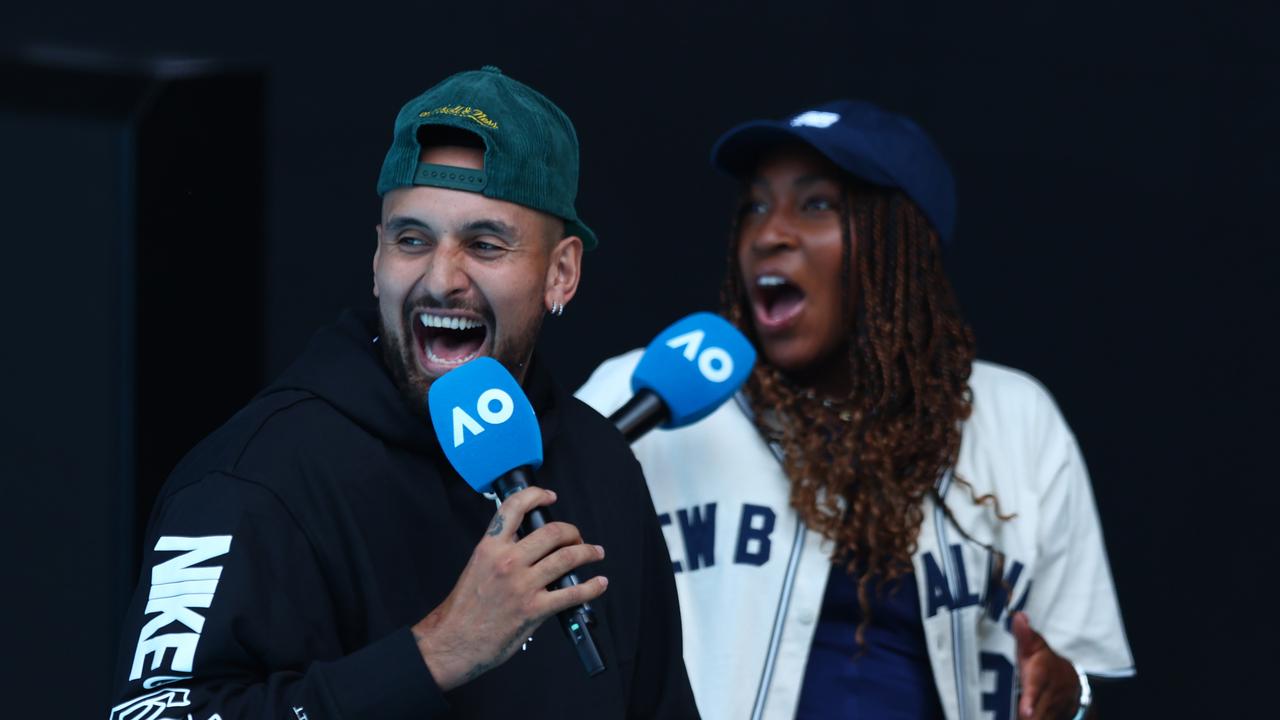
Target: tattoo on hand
[(495, 527), (521, 633)]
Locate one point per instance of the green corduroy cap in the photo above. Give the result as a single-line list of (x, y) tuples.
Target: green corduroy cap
[(531, 149)]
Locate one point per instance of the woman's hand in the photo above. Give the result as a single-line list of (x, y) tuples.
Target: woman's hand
[(1050, 687)]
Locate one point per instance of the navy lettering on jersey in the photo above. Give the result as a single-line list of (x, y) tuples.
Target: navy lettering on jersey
[(1022, 602), (664, 520), (936, 584), (749, 534), (698, 526), (999, 700), (964, 597), (998, 592)]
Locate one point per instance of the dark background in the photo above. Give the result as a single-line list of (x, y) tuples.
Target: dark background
[(1117, 178)]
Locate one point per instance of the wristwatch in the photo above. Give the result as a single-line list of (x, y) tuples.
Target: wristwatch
[(1086, 693)]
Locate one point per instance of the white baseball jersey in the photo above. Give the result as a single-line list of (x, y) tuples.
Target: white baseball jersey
[(751, 577)]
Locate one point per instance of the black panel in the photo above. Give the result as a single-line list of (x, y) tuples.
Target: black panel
[(133, 225)]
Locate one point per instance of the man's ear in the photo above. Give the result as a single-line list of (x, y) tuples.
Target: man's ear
[(377, 253), (564, 271)]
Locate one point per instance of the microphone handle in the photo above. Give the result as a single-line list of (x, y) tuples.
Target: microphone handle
[(575, 621), (642, 413)]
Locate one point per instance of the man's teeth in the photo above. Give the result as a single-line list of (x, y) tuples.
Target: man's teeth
[(456, 361), (770, 281), (448, 323)]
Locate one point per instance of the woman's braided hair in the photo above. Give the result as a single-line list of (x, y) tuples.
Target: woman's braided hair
[(860, 466)]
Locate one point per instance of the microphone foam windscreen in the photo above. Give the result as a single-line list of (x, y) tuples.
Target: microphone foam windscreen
[(484, 422), (695, 365)]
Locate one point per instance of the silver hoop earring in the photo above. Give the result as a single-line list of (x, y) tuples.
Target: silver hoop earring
[(557, 309)]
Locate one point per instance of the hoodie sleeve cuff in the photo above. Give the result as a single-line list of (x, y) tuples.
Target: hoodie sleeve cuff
[(383, 681)]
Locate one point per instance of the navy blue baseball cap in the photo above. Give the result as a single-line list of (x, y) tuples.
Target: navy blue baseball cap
[(868, 142)]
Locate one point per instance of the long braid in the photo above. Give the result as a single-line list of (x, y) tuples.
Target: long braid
[(860, 467)]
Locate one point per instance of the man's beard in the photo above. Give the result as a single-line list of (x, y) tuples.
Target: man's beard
[(399, 354)]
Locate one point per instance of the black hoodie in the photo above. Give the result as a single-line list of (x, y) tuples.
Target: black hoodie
[(290, 551)]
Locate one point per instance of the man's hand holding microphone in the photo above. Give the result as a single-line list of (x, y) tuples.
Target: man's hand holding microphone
[(522, 571)]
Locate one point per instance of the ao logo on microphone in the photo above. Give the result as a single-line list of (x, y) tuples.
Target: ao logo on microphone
[(494, 406), (711, 360), (485, 424), (715, 363)]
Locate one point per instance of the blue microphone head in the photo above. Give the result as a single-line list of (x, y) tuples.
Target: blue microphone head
[(484, 421), (695, 365)]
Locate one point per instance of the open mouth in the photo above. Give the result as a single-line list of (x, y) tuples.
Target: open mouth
[(447, 340), (776, 300)]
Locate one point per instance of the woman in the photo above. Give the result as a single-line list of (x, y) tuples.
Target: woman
[(874, 529)]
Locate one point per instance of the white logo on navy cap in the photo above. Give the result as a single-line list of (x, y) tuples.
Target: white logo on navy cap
[(815, 118)]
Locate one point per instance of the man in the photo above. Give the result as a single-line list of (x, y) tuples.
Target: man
[(317, 557)]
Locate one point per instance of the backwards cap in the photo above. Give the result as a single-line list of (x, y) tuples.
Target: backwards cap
[(531, 149)]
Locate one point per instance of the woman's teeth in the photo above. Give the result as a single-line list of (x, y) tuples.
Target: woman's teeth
[(771, 281)]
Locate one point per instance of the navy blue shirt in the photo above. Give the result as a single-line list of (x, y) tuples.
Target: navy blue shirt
[(889, 676)]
